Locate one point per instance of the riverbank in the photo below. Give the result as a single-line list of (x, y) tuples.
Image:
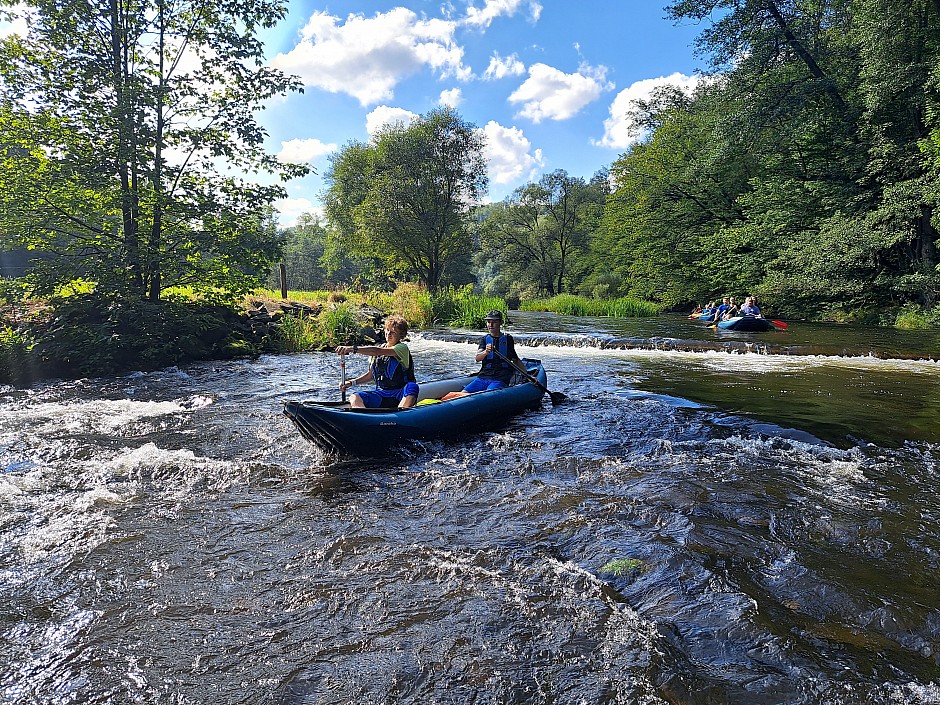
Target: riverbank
[(85, 335)]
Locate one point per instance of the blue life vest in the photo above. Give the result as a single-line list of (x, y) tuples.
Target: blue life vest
[(495, 367), (389, 373)]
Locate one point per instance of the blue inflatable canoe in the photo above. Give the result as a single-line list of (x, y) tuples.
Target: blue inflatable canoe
[(336, 427), (746, 323)]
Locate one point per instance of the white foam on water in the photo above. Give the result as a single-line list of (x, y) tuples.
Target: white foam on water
[(714, 359), (104, 416), (731, 361), (149, 462), (72, 524)]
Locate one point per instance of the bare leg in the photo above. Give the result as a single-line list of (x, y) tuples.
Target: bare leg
[(407, 402), (355, 401)]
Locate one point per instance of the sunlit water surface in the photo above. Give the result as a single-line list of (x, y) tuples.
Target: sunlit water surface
[(169, 538)]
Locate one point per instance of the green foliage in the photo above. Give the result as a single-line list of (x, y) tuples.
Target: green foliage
[(540, 234), (15, 347), (88, 335), (113, 144), (570, 305), (912, 317), (301, 333), (338, 324), (13, 291), (298, 333), (303, 247), (602, 284), (404, 197), (461, 307)]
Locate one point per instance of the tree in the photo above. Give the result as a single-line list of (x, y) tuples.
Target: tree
[(136, 119), (406, 195), (302, 249), (543, 227)]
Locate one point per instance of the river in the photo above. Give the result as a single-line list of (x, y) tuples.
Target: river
[(169, 537)]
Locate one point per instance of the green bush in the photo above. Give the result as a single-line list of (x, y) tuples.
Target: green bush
[(913, 317), (15, 347), (298, 333), (90, 336), (461, 307), (338, 324), (471, 310)]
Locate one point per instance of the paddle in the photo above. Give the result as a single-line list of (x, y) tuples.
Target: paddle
[(780, 324), (342, 366), (556, 397)]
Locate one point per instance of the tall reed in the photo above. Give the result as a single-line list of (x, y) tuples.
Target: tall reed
[(571, 305)]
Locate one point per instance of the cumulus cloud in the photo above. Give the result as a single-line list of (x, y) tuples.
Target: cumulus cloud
[(367, 57), (451, 98), (290, 209), (509, 154), (304, 151), (500, 67), (483, 17), (384, 115), (619, 129), (19, 22), (554, 95)]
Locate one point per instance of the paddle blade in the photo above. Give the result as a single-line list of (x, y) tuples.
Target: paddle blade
[(780, 325), (557, 398)]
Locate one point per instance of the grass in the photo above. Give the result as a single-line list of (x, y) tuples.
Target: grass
[(571, 305), (336, 321), (914, 317)]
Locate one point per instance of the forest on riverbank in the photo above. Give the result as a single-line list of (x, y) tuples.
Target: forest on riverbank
[(803, 169)]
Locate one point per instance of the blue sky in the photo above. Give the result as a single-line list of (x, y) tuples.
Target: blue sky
[(547, 83)]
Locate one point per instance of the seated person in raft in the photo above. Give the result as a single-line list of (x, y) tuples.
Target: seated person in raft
[(496, 372), (392, 367), (750, 308)]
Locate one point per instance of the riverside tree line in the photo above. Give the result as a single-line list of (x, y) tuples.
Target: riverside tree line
[(804, 169)]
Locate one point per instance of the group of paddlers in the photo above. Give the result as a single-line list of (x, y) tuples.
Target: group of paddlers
[(727, 309)]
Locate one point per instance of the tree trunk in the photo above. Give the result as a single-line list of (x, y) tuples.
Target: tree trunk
[(124, 150), (804, 55), (154, 244)]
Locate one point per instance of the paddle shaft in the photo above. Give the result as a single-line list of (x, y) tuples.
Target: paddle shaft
[(342, 367), (555, 396)]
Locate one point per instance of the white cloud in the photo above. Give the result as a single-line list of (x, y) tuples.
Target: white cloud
[(367, 57), (385, 115), (552, 94), (452, 97), (22, 16), (483, 17), (290, 209), (509, 154), (19, 24), (619, 130), (304, 151), (535, 8), (500, 67)]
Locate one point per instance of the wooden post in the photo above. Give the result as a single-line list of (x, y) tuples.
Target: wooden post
[(283, 281)]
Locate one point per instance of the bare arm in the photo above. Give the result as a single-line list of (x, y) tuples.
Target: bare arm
[(370, 350)]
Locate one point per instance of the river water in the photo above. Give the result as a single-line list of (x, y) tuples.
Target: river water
[(170, 538)]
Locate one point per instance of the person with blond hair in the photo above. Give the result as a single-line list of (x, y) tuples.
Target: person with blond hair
[(391, 367)]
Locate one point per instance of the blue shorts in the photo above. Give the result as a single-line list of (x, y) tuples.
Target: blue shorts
[(387, 398), (484, 385)]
